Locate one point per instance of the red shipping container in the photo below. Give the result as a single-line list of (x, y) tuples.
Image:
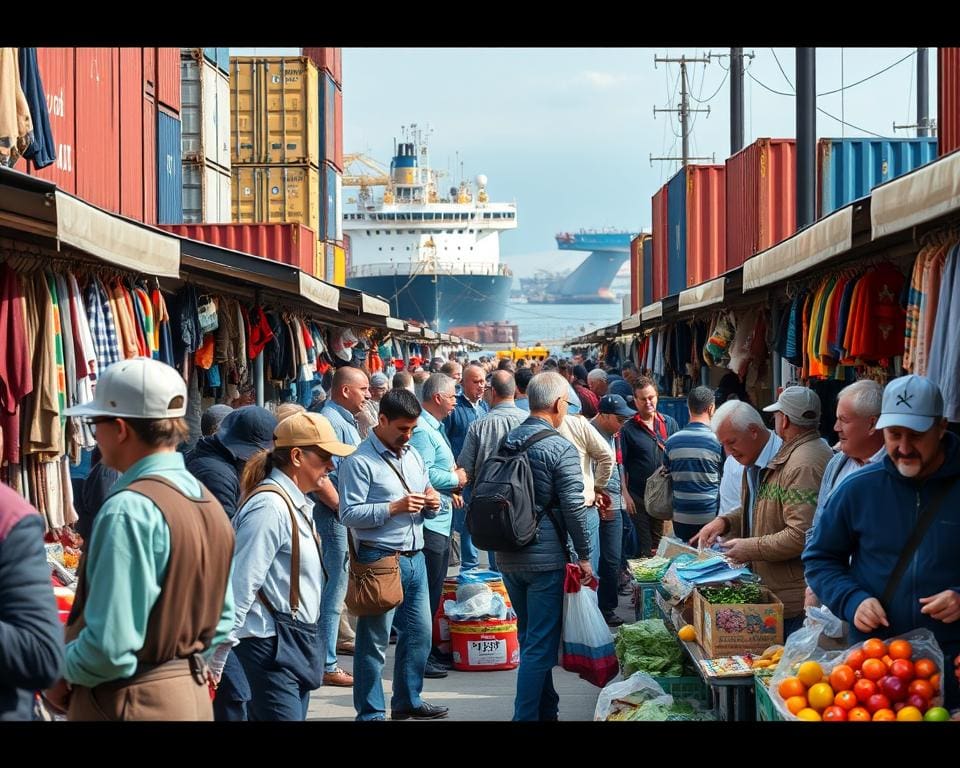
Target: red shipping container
[(636, 273), (149, 160), (57, 73), (761, 198), (330, 59), (948, 100), (706, 223), (131, 133), (660, 244), (292, 244), (149, 70), (168, 78), (98, 127)]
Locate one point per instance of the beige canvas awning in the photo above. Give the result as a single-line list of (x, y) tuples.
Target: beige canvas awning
[(320, 293), (631, 323), (652, 311), (703, 295), (925, 194)]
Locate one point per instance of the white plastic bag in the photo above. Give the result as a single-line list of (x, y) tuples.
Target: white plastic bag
[(639, 687), (586, 646)]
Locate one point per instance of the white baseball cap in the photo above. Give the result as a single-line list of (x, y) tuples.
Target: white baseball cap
[(137, 388), (912, 402)]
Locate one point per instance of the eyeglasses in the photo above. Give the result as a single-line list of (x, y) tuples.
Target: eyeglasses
[(92, 423)]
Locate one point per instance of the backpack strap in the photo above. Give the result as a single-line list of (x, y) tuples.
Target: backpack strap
[(535, 438)]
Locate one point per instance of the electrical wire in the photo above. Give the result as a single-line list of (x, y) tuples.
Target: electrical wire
[(782, 72), (710, 98), (875, 74)]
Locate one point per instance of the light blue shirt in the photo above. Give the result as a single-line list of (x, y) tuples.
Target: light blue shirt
[(839, 468), (523, 404), (126, 565), (345, 426), (263, 559), (753, 473), (431, 443), (367, 488)]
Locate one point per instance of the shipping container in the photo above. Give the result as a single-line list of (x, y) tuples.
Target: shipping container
[(292, 244), (647, 272), (847, 169), (97, 157), (169, 170), (150, 70), (276, 194), (57, 73), (329, 261), (205, 113), (168, 79), (328, 59), (149, 159), (338, 130), (331, 140), (677, 234), (131, 133), (948, 99), (659, 278), (696, 233), (206, 194), (331, 224), (219, 57), (347, 252), (274, 111), (339, 265), (636, 273)]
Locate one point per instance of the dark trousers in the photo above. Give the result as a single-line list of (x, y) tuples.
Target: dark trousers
[(436, 554), (233, 693), (649, 529), (277, 694), (631, 548), (686, 531), (611, 543)]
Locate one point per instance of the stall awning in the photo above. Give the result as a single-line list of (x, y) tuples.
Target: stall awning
[(396, 325), (814, 245), (373, 306), (429, 334), (925, 194), (703, 295), (631, 323), (652, 311), (320, 293)]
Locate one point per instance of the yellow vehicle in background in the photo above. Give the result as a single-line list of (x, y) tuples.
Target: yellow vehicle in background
[(525, 353)]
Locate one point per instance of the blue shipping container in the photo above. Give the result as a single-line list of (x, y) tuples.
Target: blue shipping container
[(169, 171), (677, 233), (648, 272), (847, 169), (219, 57), (330, 215), (328, 116)]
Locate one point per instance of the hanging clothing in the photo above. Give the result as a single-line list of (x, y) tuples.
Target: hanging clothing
[(16, 371), (881, 329), (66, 327), (944, 363), (44, 434), (914, 302), (42, 151), (102, 325), (16, 125)]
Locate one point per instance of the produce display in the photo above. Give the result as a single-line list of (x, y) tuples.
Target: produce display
[(734, 593), (648, 646), (649, 569), (656, 711)]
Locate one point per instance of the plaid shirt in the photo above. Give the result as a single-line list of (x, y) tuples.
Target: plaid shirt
[(102, 325)]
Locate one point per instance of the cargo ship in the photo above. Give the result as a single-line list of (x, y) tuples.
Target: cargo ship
[(434, 257)]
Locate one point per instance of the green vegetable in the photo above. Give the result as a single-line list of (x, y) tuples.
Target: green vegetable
[(648, 646), (649, 569), (652, 711), (739, 592)]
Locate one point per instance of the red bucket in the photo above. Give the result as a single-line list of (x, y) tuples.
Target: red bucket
[(486, 645), (441, 629)]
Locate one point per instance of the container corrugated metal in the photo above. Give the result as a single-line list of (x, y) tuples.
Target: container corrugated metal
[(338, 129), (331, 224), (948, 99), (97, 157), (292, 244), (847, 169), (636, 273), (706, 222), (205, 113), (150, 70), (647, 272), (331, 139), (206, 194), (168, 78), (347, 252), (329, 59), (275, 193), (274, 111), (169, 170), (659, 278), (761, 198), (329, 262), (339, 265), (149, 160), (59, 84), (131, 133), (677, 233)]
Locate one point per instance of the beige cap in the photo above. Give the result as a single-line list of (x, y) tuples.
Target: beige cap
[(801, 404), (303, 429), (288, 409)]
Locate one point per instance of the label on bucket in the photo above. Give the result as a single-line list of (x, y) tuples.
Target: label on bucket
[(444, 626), (482, 653)]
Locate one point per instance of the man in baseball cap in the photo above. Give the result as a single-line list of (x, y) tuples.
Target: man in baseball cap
[(800, 405), (135, 652)]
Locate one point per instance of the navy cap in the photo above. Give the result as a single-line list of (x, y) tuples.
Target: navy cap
[(247, 430), (616, 405)]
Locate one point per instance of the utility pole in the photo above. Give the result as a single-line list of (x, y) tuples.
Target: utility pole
[(806, 136), (924, 125), (684, 108), (736, 100)]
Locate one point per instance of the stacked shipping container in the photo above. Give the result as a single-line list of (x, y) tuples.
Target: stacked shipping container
[(696, 226), (948, 99), (292, 244)]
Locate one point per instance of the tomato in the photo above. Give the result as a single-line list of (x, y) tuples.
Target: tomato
[(874, 648), (903, 668), (842, 678), (846, 699), (884, 715), (791, 686), (877, 702), (874, 669), (858, 715), (796, 703), (910, 714), (855, 659), (810, 673), (925, 668), (922, 688), (888, 661), (820, 696), (864, 689), (900, 649), (935, 682), (834, 715), (808, 714), (918, 701)]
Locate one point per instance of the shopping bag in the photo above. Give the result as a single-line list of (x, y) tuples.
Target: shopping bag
[(586, 646)]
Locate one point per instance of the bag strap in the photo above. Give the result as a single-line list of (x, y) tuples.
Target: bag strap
[(543, 434), (397, 473), (923, 524)]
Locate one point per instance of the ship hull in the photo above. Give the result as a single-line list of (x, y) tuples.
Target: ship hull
[(453, 300)]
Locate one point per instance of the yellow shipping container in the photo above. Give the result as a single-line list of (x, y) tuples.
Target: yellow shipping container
[(274, 110), (276, 193), (320, 262), (339, 266)]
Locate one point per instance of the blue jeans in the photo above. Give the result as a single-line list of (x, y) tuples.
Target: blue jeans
[(414, 635), (233, 693), (276, 693), (630, 544), (333, 537), (537, 597), (436, 555), (611, 544), (469, 557)]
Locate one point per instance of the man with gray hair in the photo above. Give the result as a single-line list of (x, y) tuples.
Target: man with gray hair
[(403, 380), (454, 370), (534, 575), (779, 492), (598, 382)]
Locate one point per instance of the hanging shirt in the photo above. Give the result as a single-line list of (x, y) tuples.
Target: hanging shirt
[(881, 327), (67, 341), (102, 325), (932, 275), (58, 344), (44, 434), (16, 370), (914, 302), (944, 365)]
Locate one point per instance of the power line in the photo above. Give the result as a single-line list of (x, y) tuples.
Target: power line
[(875, 74), (726, 71), (767, 87), (777, 59)]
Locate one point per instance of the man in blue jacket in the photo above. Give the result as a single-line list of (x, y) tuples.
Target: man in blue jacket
[(870, 517)]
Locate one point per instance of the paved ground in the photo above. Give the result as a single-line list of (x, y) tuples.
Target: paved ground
[(469, 695)]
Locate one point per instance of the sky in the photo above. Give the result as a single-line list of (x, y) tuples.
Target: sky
[(568, 133)]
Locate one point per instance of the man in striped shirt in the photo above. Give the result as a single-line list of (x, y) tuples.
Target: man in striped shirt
[(693, 458)]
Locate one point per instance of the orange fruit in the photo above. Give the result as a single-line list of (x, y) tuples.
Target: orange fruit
[(925, 668), (810, 673), (796, 703), (820, 696), (858, 715), (874, 648), (922, 688), (791, 686), (834, 715), (935, 682), (874, 669), (842, 678), (910, 714), (900, 649), (855, 659), (888, 661), (810, 714), (884, 715), (846, 699)]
